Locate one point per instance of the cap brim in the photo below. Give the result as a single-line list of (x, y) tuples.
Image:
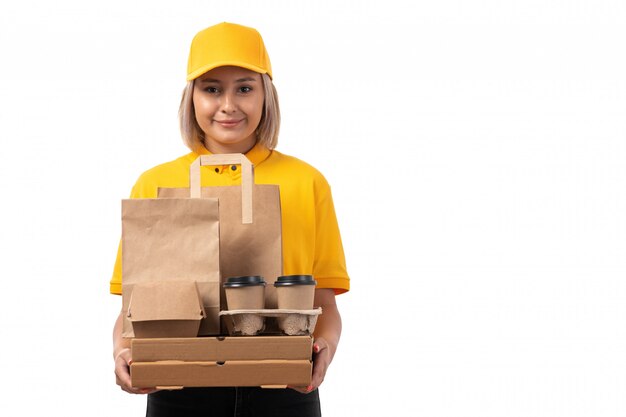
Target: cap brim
[(198, 72)]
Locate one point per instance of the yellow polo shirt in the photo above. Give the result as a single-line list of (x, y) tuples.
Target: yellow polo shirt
[(311, 239)]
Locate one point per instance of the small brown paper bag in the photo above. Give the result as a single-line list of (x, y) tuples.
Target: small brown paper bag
[(166, 309), (172, 240), (250, 222)]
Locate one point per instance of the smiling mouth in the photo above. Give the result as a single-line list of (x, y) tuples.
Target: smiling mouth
[(228, 123)]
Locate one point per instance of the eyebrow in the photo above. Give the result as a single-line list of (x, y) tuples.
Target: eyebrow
[(240, 80)]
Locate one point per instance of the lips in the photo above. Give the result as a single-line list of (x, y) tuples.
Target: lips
[(228, 123)]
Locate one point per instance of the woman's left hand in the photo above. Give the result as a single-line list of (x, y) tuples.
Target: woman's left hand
[(326, 337), (321, 360)]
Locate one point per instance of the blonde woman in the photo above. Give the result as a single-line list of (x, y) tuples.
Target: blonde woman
[(230, 105)]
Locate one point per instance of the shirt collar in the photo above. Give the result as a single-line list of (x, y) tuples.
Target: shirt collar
[(256, 155)]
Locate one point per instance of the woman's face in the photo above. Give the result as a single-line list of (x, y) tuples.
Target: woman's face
[(228, 104)]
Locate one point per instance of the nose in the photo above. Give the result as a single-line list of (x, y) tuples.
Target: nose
[(229, 104)]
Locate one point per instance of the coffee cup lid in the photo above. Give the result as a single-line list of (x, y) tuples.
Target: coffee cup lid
[(244, 281), (294, 280)]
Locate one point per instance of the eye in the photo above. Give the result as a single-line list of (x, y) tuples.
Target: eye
[(245, 89), (211, 90)]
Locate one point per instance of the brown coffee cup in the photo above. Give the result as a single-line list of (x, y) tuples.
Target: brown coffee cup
[(245, 293), (295, 292)]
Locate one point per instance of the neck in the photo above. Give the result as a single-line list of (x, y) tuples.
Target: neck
[(218, 148)]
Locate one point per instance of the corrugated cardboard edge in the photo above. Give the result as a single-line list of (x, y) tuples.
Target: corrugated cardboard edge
[(216, 374), (222, 348)]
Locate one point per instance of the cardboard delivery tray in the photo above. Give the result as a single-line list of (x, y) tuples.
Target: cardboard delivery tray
[(217, 374), (222, 361), (221, 349)]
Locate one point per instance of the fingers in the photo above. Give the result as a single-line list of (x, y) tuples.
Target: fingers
[(301, 390), (122, 374), (321, 360), (122, 368), (319, 344)]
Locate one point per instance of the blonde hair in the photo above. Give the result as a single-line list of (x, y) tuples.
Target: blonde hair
[(267, 131)]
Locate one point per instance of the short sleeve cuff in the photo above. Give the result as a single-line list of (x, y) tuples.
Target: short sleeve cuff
[(116, 288), (340, 285)]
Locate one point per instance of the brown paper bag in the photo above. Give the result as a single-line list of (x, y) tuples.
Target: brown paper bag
[(172, 240), (166, 309), (250, 222)]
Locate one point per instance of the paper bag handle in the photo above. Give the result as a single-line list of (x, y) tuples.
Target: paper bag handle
[(247, 178)]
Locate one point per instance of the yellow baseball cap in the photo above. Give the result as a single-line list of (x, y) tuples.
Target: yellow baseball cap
[(227, 44)]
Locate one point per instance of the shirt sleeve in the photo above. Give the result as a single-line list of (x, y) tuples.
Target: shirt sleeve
[(329, 266), (116, 279)]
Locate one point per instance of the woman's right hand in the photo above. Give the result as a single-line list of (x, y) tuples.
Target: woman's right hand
[(122, 373)]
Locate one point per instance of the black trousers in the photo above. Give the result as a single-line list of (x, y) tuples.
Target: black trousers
[(233, 402)]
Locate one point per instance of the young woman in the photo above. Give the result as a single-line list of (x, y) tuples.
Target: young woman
[(230, 105)]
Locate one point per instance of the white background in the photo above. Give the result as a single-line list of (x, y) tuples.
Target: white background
[(476, 152)]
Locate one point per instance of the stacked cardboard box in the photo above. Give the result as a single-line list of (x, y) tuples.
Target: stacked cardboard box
[(268, 361)]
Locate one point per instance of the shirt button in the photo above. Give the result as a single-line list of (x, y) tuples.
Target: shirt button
[(233, 167)]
